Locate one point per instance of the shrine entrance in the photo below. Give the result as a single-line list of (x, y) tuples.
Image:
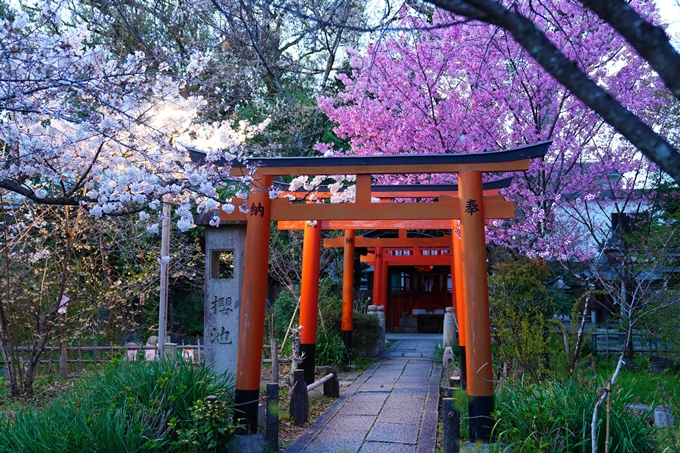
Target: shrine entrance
[(417, 297), (469, 205)]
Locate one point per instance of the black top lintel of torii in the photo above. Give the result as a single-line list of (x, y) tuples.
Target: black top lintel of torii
[(534, 151)]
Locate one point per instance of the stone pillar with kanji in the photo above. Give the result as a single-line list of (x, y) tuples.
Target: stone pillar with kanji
[(225, 254)]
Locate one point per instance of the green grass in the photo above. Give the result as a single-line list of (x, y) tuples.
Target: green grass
[(644, 386), (555, 416)]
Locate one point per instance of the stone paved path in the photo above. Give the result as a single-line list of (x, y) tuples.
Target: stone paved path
[(391, 407)]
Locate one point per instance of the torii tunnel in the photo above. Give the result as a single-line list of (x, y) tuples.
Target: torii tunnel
[(470, 207), (424, 254)]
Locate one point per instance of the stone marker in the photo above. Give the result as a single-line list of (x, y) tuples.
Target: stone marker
[(225, 255), (373, 350), (663, 417), (380, 313)]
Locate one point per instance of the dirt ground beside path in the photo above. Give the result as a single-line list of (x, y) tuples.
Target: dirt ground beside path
[(318, 403)]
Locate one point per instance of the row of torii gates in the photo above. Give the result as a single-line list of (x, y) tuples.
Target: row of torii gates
[(464, 207)]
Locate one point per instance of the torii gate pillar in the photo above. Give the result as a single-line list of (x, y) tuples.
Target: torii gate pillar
[(309, 297), (457, 276), (348, 291), (251, 321), (476, 299)]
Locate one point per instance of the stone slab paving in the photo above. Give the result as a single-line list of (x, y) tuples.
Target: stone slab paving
[(390, 408)]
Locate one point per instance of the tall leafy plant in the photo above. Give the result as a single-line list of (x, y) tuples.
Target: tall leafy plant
[(529, 341)]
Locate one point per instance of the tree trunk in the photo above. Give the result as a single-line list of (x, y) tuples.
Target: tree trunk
[(579, 338)]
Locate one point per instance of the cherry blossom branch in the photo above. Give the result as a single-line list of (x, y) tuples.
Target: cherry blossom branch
[(567, 72), (648, 39)]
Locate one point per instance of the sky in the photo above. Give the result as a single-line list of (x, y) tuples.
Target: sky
[(670, 10)]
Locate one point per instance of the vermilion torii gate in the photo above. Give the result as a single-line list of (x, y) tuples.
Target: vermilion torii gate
[(349, 241), (469, 207), (310, 274), (385, 252)]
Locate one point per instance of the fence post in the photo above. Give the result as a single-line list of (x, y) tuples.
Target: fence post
[(80, 356), (299, 403), (275, 361), (606, 340), (272, 427), (63, 359), (451, 422)]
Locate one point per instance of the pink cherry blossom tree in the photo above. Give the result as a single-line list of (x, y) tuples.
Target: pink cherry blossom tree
[(471, 88), (452, 85), (631, 22)]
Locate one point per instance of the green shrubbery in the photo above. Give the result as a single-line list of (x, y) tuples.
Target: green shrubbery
[(365, 331), (130, 407), (528, 341), (330, 348), (544, 404), (556, 417)]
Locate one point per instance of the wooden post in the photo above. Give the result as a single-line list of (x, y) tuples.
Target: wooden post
[(272, 424), (606, 340), (475, 288), (165, 265), (299, 403), (331, 387), (253, 303), (451, 422), (309, 297), (609, 409), (460, 301), (348, 293)]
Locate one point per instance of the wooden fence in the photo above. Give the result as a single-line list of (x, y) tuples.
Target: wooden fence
[(611, 341), (79, 358), (74, 359)]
